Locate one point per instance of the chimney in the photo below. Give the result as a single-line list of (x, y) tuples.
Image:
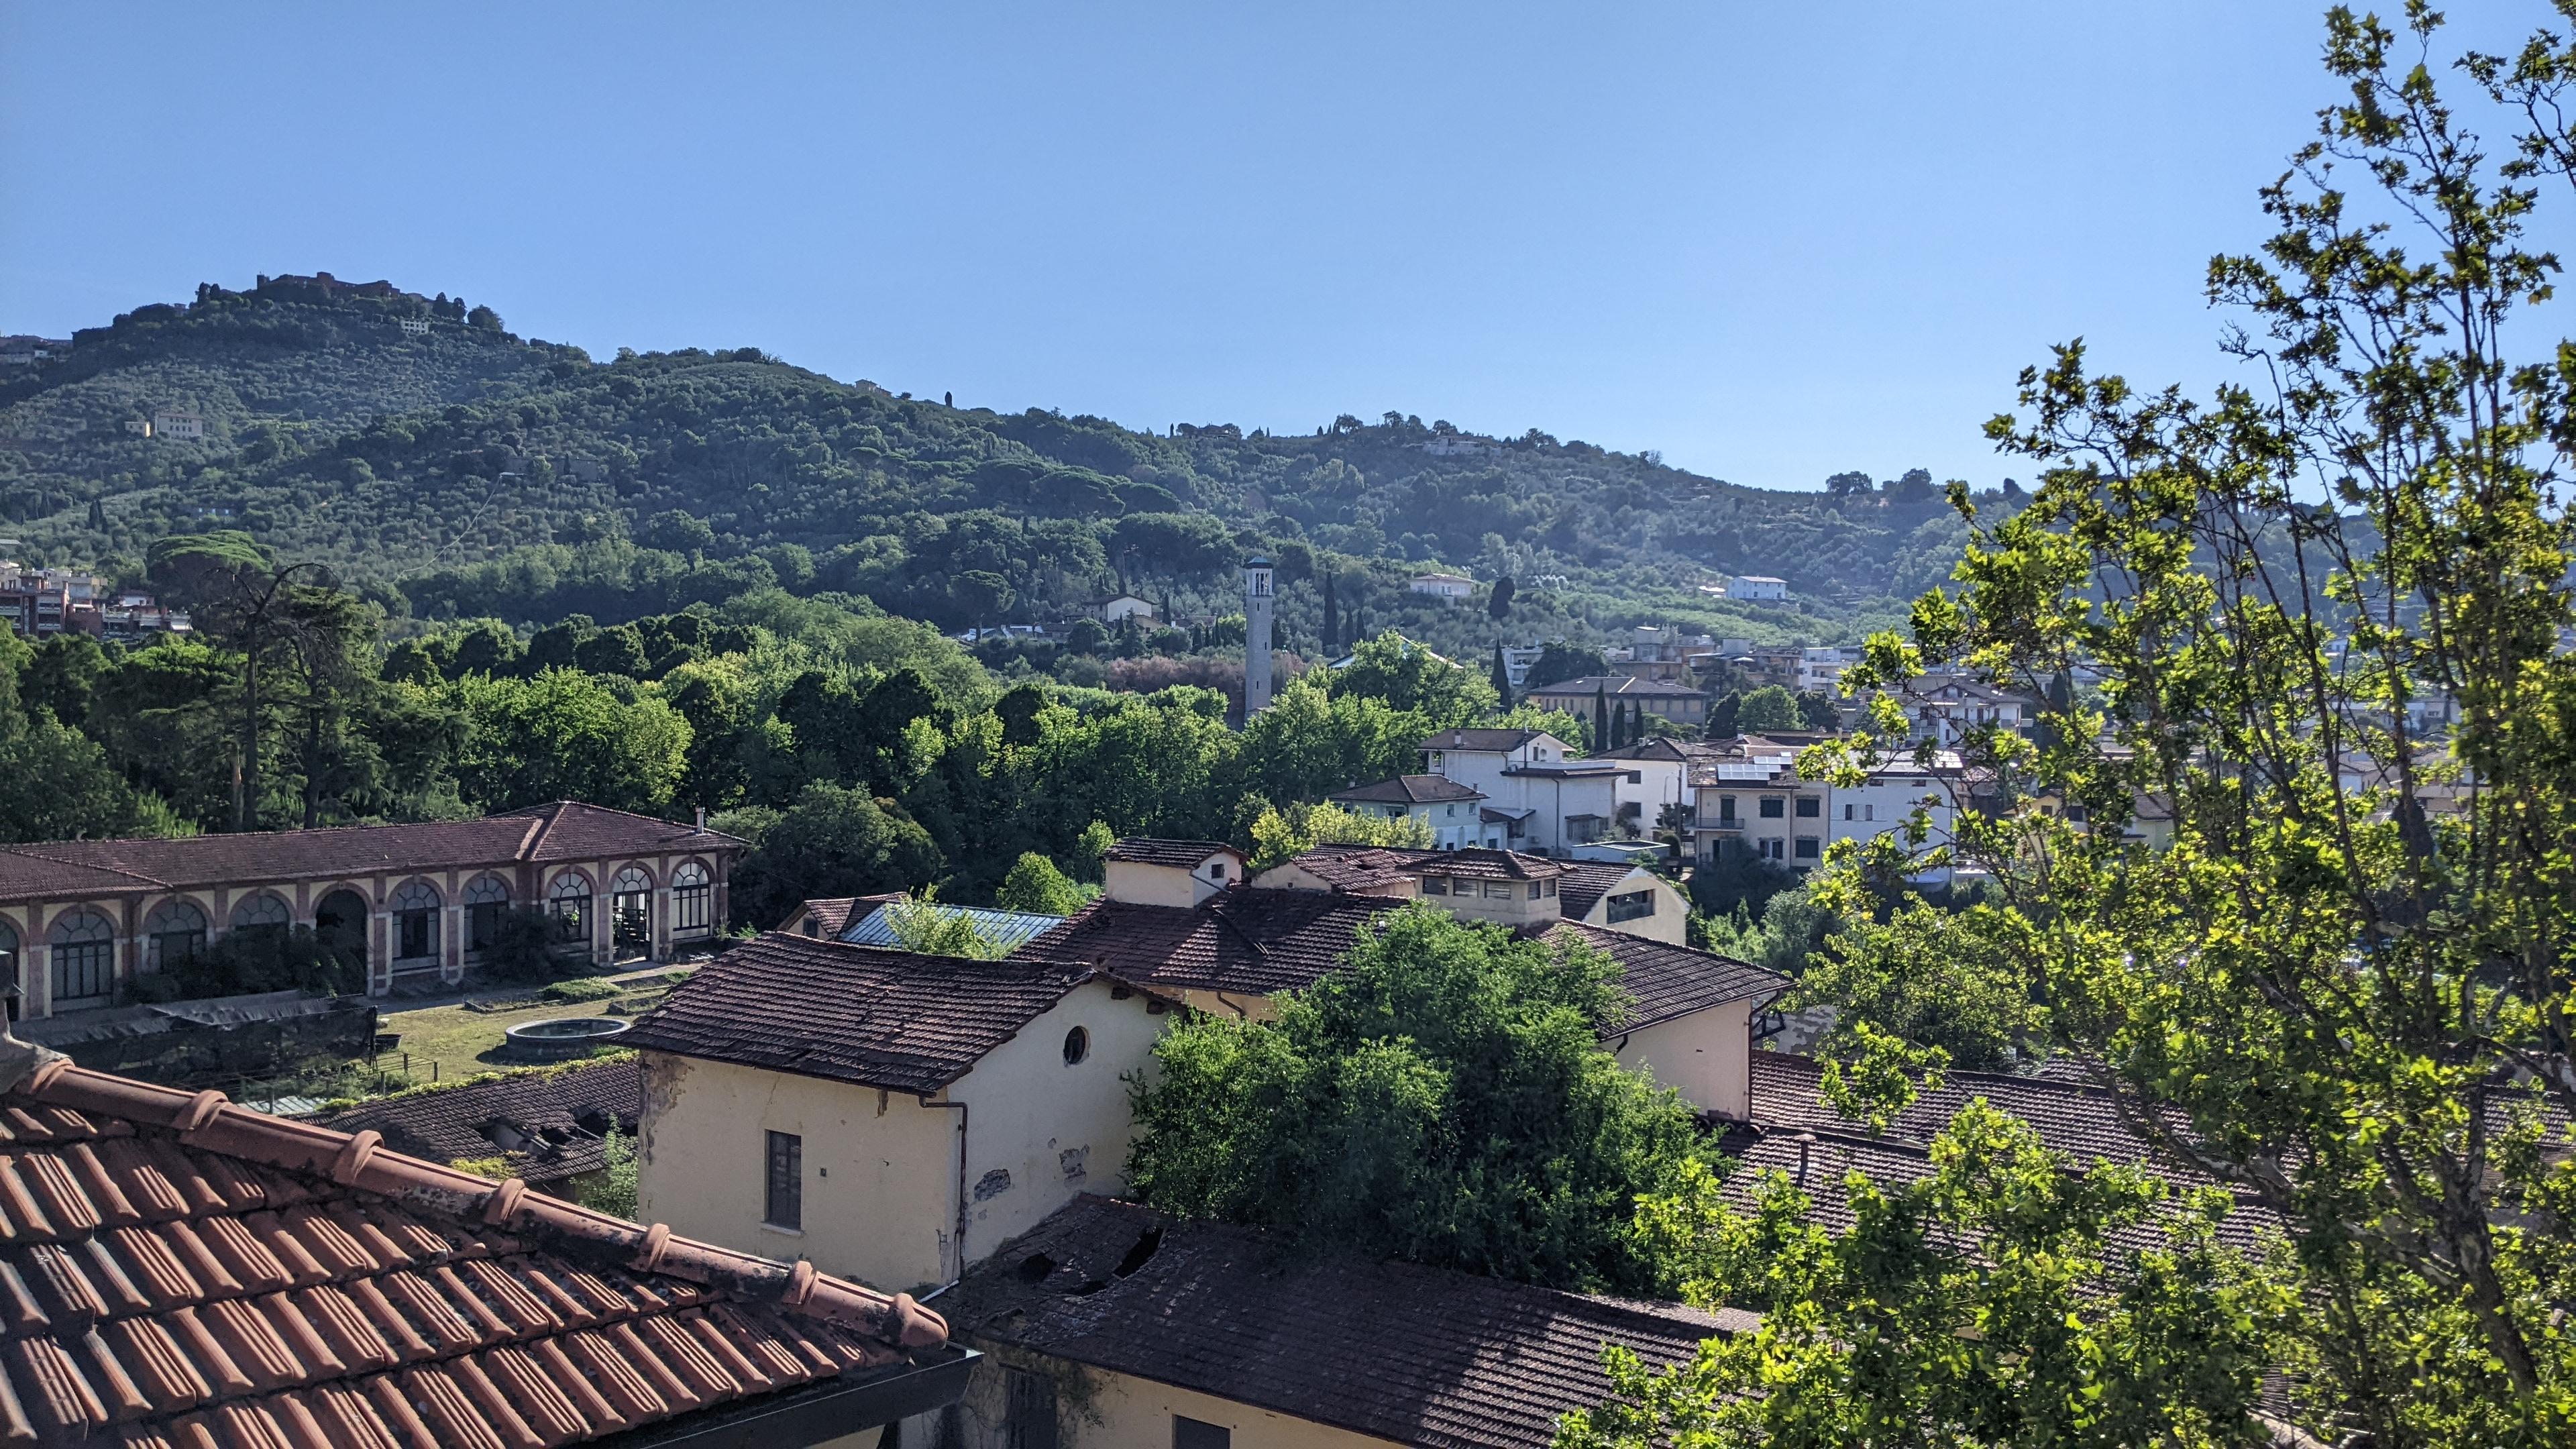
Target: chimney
[(1806, 1144), (702, 817), (1257, 602)]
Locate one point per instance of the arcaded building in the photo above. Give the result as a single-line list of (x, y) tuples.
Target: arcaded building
[(419, 903)]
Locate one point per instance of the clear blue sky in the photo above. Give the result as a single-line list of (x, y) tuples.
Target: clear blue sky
[(1772, 240)]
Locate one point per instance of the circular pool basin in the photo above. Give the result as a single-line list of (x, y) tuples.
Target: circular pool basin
[(563, 1037)]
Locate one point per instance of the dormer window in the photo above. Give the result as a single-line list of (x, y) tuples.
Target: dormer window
[(1216, 870)]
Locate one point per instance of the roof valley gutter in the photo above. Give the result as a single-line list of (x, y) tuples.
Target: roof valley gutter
[(963, 1114)]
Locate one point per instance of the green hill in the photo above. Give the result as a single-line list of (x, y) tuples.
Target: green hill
[(493, 475)]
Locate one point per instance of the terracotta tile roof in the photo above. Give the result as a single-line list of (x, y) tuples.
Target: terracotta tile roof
[(1414, 1355), (1489, 865), (563, 830), (571, 830), (558, 1118), (2071, 1117), (1359, 867), (830, 915), (1667, 981), (1481, 741), (1181, 854), (1658, 748), (1256, 942), (1831, 1155), (1251, 942), (886, 1019), (1585, 882), (1409, 790), (178, 1271)]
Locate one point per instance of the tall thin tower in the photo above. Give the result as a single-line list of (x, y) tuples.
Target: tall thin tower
[(1256, 635)]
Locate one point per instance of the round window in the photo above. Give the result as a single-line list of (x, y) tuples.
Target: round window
[(1077, 1045)]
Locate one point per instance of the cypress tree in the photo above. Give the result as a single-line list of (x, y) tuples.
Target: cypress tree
[(1332, 619), (1502, 678), (1600, 718)]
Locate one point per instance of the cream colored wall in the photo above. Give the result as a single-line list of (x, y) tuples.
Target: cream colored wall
[(1669, 924), (1706, 1056), (1152, 885), (864, 1439), (1057, 1130), (881, 1180), (880, 1184), (1098, 1409)]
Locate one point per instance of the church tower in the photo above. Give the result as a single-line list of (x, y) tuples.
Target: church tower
[(1256, 635)]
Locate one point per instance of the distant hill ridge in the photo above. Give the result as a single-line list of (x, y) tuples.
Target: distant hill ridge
[(411, 437)]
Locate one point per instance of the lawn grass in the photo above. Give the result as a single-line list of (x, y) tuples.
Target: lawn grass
[(463, 1042)]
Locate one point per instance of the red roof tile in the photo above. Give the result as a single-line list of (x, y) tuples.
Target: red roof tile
[(1256, 942), (175, 1270), (1584, 884), (558, 1117), (561, 831), (1180, 854), (863, 1014), (1414, 1355)]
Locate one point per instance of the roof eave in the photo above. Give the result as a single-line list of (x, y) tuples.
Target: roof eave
[(826, 1411)]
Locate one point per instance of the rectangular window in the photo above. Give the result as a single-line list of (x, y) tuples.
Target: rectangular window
[(1435, 885), (1197, 1434), (483, 925), (1551, 890), (415, 934), (1810, 848), (1028, 1413), (1533, 895), (1809, 807), (1869, 812), (1774, 807), (1496, 890), (1726, 809), (1850, 812), (691, 903), (1634, 906), (1216, 869), (1773, 848), (785, 1207), (1636, 777)]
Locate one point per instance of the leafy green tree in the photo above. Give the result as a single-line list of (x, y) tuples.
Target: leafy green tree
[(832, 842), (1498, 603), (2007, 1298), (1443, 1098), (1768, 708), (1559, 661), (1279, 836), (1935, 978), (2341, 988), (565, 736), (240, 596), (57, 784), (1035, 884), (923, 926)]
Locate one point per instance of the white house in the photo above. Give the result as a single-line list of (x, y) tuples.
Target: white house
[(176, 424), (883, 1113), (1126, 606), (1449, 588), (1947, 707), (1549, 802), (1452, 812), (1656, 774), (1759, 589)]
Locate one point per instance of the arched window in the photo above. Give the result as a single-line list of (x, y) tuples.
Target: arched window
[(415, 912), (630, 904), (692, 897), (568, 900), (83, 947), (630, 880), (9, 962), (487, 905), (174, 933), (261, 911)]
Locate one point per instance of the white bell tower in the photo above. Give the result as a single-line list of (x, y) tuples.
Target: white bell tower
[(1256, 635)]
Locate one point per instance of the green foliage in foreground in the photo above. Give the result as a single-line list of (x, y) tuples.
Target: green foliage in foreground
[(1443, 1099), (2004, 1299)]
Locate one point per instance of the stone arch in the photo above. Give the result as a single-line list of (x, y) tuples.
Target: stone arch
[(568, 901), (81, 946), (415, 908), (174, 933)]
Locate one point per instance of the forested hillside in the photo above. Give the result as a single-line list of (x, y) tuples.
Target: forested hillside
[(493, 476)]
